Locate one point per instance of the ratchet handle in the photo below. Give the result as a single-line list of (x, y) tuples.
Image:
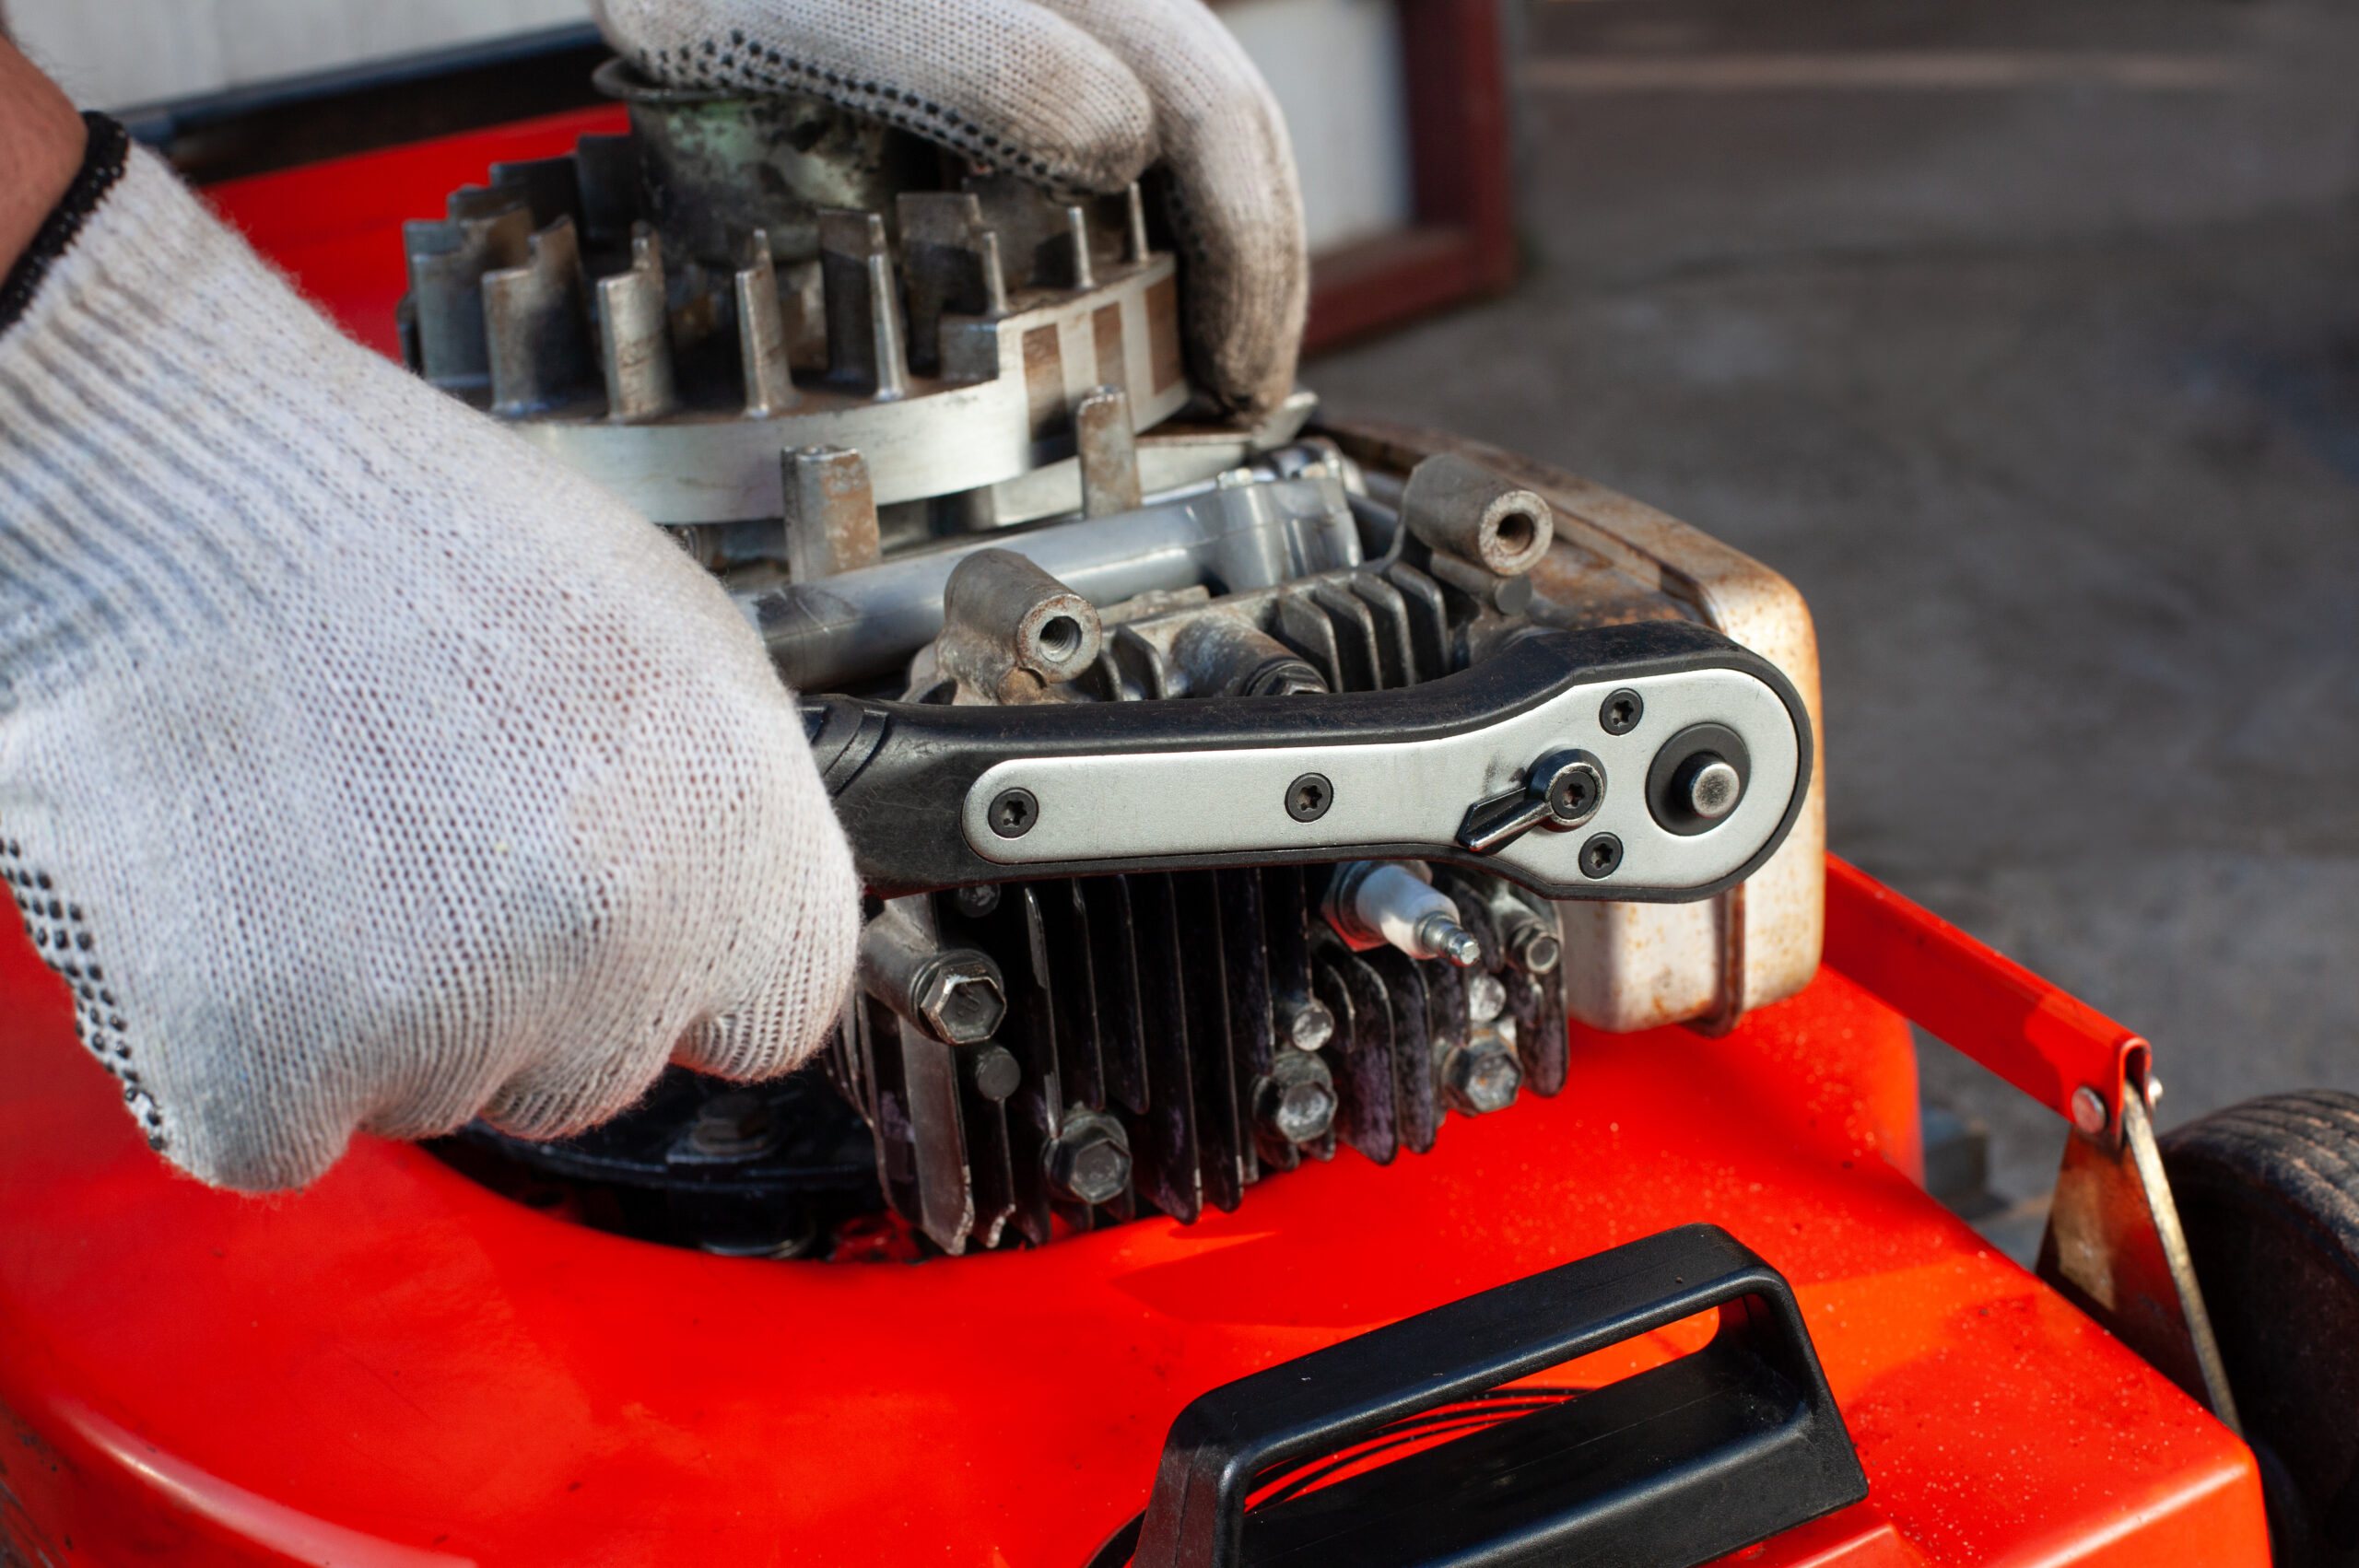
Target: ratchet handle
[(901, 774)]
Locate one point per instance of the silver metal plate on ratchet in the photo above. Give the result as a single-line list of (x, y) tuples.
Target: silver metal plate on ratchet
[(1245, 800)]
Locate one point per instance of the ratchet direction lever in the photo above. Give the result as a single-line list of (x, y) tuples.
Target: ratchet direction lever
[(1655, 762)]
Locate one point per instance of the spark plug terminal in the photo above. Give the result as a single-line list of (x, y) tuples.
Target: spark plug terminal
[(1393, 903)]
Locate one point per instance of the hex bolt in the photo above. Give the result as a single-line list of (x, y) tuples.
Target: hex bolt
[(1482, 1075), (1012, 812), (1310, 1026), (1090, 1161), (2089, 1113), (1620, 713), (1711, 790), (1601, 856), (952, 993), (1486, 998), (1295, 1100), (1309, 797), (960, 1001)]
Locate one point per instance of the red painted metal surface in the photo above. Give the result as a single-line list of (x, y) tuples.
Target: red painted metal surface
[(2038, 1037), (398, 1367)]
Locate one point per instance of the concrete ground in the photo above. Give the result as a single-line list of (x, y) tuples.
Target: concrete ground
[(2024, 338)]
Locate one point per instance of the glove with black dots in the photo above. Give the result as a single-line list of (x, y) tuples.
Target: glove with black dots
[(360, 768), (1077, 95)]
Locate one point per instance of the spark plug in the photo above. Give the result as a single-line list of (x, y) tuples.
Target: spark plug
[(1373, 902)]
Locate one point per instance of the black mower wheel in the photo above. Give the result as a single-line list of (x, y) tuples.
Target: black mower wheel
[(2268, 1194)]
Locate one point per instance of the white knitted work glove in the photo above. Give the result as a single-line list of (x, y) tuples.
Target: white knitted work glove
[(360, 768), (1076, 94)]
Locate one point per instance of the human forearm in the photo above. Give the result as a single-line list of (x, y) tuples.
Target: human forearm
[(41, 146)]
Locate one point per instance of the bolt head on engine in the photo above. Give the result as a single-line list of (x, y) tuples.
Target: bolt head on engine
[(961, 1002)]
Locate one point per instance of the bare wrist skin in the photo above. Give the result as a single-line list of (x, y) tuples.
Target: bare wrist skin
[(41, 147)]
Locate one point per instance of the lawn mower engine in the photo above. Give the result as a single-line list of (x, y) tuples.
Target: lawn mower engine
[(1224, 791)]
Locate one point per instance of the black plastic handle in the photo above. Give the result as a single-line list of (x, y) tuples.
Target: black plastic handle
[(900, 773), (1678, 1464)]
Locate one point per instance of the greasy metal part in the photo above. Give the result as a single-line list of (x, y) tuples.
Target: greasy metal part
[(1530, 940), (447, 263), (2115, 1249), (716, 165), (1230, 656), (995, 1072), (1010, 631), (956, 995), (1458, 507), (951, 264), (1080, 273), (1090, 1160), (1108, 452), (830, 514), (865, 344), (1393, 903), (1486, 998), (864, 623), (1508, 596), (1309, 1027), (1564, 790), (634, 335), (1135, 247), (536, 326), (999, 410), (1296, 1099), (762, 348), (1482, 1075), (1172, 459)]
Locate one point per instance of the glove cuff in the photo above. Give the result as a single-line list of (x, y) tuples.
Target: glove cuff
[(106, 150)]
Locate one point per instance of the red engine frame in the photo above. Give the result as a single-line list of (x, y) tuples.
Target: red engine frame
[(397, 1367)]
